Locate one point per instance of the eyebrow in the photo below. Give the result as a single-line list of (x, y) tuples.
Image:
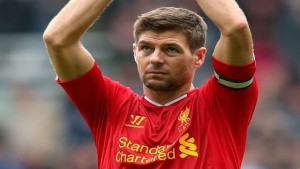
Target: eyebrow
[(143, 42), (165, 44)]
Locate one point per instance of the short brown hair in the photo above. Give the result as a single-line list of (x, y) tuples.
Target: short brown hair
[(173, 19)]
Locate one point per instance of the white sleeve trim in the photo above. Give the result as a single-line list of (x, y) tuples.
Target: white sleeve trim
[(231, 84)]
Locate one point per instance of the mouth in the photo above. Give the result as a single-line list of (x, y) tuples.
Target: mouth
[(155, 72)]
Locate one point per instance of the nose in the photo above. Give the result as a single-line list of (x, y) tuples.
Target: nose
[(157, 57)]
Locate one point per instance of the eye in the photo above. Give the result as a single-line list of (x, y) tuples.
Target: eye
[(172, 50), (145, 48)]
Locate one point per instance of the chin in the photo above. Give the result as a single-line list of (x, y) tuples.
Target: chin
[(159, 85)]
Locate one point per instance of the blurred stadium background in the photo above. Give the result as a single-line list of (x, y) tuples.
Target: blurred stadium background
[(40, 128)]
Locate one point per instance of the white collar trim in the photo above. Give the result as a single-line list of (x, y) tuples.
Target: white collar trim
[(167, 104)]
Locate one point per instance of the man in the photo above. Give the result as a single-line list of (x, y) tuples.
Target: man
[(174, 124)]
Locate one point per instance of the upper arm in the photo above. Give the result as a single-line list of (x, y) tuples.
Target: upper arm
[(235, 47), (69, 61)]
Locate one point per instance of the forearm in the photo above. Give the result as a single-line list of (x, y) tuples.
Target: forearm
[(225, 14), (62, 37), (235, 46), (73, 20)]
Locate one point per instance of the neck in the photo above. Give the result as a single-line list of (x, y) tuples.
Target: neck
[(163, 97)]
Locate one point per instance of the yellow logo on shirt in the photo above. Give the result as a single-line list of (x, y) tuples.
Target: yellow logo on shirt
[(136, 121), (184, 119), (132, 152), (187, 147)]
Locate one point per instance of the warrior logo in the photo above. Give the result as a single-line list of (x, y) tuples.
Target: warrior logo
[(136, 121)]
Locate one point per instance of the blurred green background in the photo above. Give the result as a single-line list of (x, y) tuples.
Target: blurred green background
[(41, 129)]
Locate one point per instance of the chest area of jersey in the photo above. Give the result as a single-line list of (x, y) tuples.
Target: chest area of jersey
[(160, 135)]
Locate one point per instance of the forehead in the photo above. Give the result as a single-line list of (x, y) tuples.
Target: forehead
[(163, 37)]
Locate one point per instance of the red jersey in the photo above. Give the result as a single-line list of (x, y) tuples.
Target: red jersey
[(204, 129)]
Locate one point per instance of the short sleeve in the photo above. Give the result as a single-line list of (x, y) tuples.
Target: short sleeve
[(87, 92), (230, 108), (236, 77)]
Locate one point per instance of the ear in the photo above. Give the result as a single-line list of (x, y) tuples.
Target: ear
[(199, 55), (134, 50)]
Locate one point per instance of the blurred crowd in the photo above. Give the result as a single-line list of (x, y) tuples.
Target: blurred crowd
[(41, 129)]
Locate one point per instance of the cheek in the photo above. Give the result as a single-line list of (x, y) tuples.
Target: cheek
[(183, 66), (183, 69), (141, 65)]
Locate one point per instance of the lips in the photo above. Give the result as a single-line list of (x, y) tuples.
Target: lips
[(156, 72)]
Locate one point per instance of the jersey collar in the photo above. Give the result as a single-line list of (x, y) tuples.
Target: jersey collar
[(167, 104)]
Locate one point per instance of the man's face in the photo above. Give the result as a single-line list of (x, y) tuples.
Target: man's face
[(164, 60)]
